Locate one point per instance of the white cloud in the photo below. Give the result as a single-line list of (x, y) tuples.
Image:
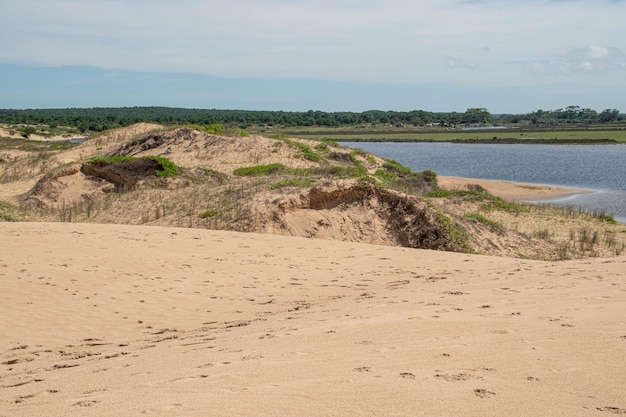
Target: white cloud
[(458, 63), (398, 41), (593, 60)]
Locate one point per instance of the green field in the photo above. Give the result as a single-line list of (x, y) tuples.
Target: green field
[(590, 134)]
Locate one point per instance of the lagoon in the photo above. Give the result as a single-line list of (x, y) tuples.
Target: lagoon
[(600, 168)]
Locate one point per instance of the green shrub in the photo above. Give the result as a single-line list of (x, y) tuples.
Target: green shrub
[(385, 175), (292, 182), (237, 132), (430, 176), (482, 219), (208, 213), (215, 129), (455, 233), (260, 170), (330, 142), (396, 167), (108, 160), (347, 172), (305, 150), (321, 147), (169, 169)]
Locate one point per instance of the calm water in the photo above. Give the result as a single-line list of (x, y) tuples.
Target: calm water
[(601, 168)]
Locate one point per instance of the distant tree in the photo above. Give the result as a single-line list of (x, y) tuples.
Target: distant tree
[(476, 115), (26, 131), (608, 115), (587, 116)]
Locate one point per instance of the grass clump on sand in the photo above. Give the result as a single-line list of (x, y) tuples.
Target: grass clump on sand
[(491, 202), (396, 176), (292, 182), (219, 129), (29, 145), (260, 170), (477, 217), (333, 171), (305, 150), (455, 233)]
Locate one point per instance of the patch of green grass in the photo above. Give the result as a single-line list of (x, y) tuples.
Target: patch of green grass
[(109, 159), (5, 216), (213, 129), (455, 233), (491, 201), (544, 234), (496, 203), (220, 129), (208, 213), (477, 217), (322, 147), (292, 182), (276, 136), (396, 167), (305, 150), (29, 145), (608, 219), (345, 172), (260, 170), (527, 135), (169, 168), (385, 175)]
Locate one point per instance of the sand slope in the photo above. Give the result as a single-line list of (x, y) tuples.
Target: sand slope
[(108, 320)]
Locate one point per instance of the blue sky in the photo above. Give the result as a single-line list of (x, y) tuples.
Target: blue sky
[(330, 55)]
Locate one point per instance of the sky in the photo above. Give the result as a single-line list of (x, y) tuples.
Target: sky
[(330, 55)]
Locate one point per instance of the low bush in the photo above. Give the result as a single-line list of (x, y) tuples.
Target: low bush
[(477, 217), (260, 170), (292, 182)]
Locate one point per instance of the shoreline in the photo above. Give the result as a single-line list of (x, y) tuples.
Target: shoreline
[(513, 191)]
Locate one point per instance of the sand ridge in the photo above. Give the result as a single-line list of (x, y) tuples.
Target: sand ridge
[(511, 191), (127, 320)]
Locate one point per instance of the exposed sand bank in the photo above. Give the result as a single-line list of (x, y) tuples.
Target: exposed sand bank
[(110, 320), (510, 190)]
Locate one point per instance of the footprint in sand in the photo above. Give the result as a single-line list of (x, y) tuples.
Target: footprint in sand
[(612, 410), (86, 403), (189, 378), (483, 393), (456, 377)]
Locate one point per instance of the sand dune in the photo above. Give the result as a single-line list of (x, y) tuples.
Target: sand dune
[(110, 320)]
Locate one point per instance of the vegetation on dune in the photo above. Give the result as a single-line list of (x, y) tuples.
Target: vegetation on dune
[(372, 194), (164, 167), (260, 170), (482, 219), (292, 182), (29, 145), (479, 195)]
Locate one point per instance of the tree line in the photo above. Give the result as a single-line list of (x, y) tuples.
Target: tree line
[(99, 119)]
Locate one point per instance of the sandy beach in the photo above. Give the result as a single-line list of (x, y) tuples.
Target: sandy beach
[(511, 191), (127, 303), (110, 320)]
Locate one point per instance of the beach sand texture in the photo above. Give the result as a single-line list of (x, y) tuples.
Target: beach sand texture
[(113, 320)]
